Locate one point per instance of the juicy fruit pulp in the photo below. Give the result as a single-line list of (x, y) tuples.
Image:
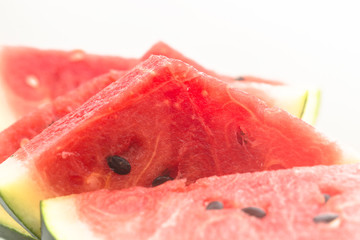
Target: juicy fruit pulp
[(166, 119), (283, 204)]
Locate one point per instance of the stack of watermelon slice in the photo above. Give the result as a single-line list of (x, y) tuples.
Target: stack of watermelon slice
[(233, 159)]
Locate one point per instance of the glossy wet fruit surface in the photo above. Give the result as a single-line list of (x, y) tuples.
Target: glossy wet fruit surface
[(165, 119)]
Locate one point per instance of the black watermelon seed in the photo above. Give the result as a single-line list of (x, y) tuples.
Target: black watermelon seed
[(325, 217), (240, 78), (215, 205), (118, 164), (254, 211), (160, 180), (326, 197)]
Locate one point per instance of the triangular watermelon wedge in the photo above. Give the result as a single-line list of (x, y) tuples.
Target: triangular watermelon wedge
[(33, 76), (162, 119), (321, 202)]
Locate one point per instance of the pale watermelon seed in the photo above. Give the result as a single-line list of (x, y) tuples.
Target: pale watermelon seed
[(240, 79), (204, 93), (254, 211), (326, 197), (32, 81), (77, 55), (215, 205), (118, 164), (24, 141), (325, 217), (160, 180)]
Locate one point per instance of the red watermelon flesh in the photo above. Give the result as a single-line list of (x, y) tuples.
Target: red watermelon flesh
[(32, 76), (292, 199), (164, 118), (21, 132)]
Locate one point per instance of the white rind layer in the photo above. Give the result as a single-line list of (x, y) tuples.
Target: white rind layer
[(62, 221), (11, 170), (7, 221), (349, 155)]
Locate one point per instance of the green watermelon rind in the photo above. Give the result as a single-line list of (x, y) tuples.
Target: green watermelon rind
[(46, 233), (11, 233), (312, 106), (25, 186)]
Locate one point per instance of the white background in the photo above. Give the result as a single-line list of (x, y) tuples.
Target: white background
[(299, 42)]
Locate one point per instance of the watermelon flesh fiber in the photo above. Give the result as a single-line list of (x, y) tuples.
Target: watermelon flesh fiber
[(291, 199)]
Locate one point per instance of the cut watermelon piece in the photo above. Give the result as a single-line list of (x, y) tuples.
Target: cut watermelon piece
[(32, 77), (285, 204), (163, 118)]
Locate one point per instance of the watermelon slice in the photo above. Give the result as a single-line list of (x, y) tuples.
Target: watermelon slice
[(321, 202), (162, 119), (32, 77)]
